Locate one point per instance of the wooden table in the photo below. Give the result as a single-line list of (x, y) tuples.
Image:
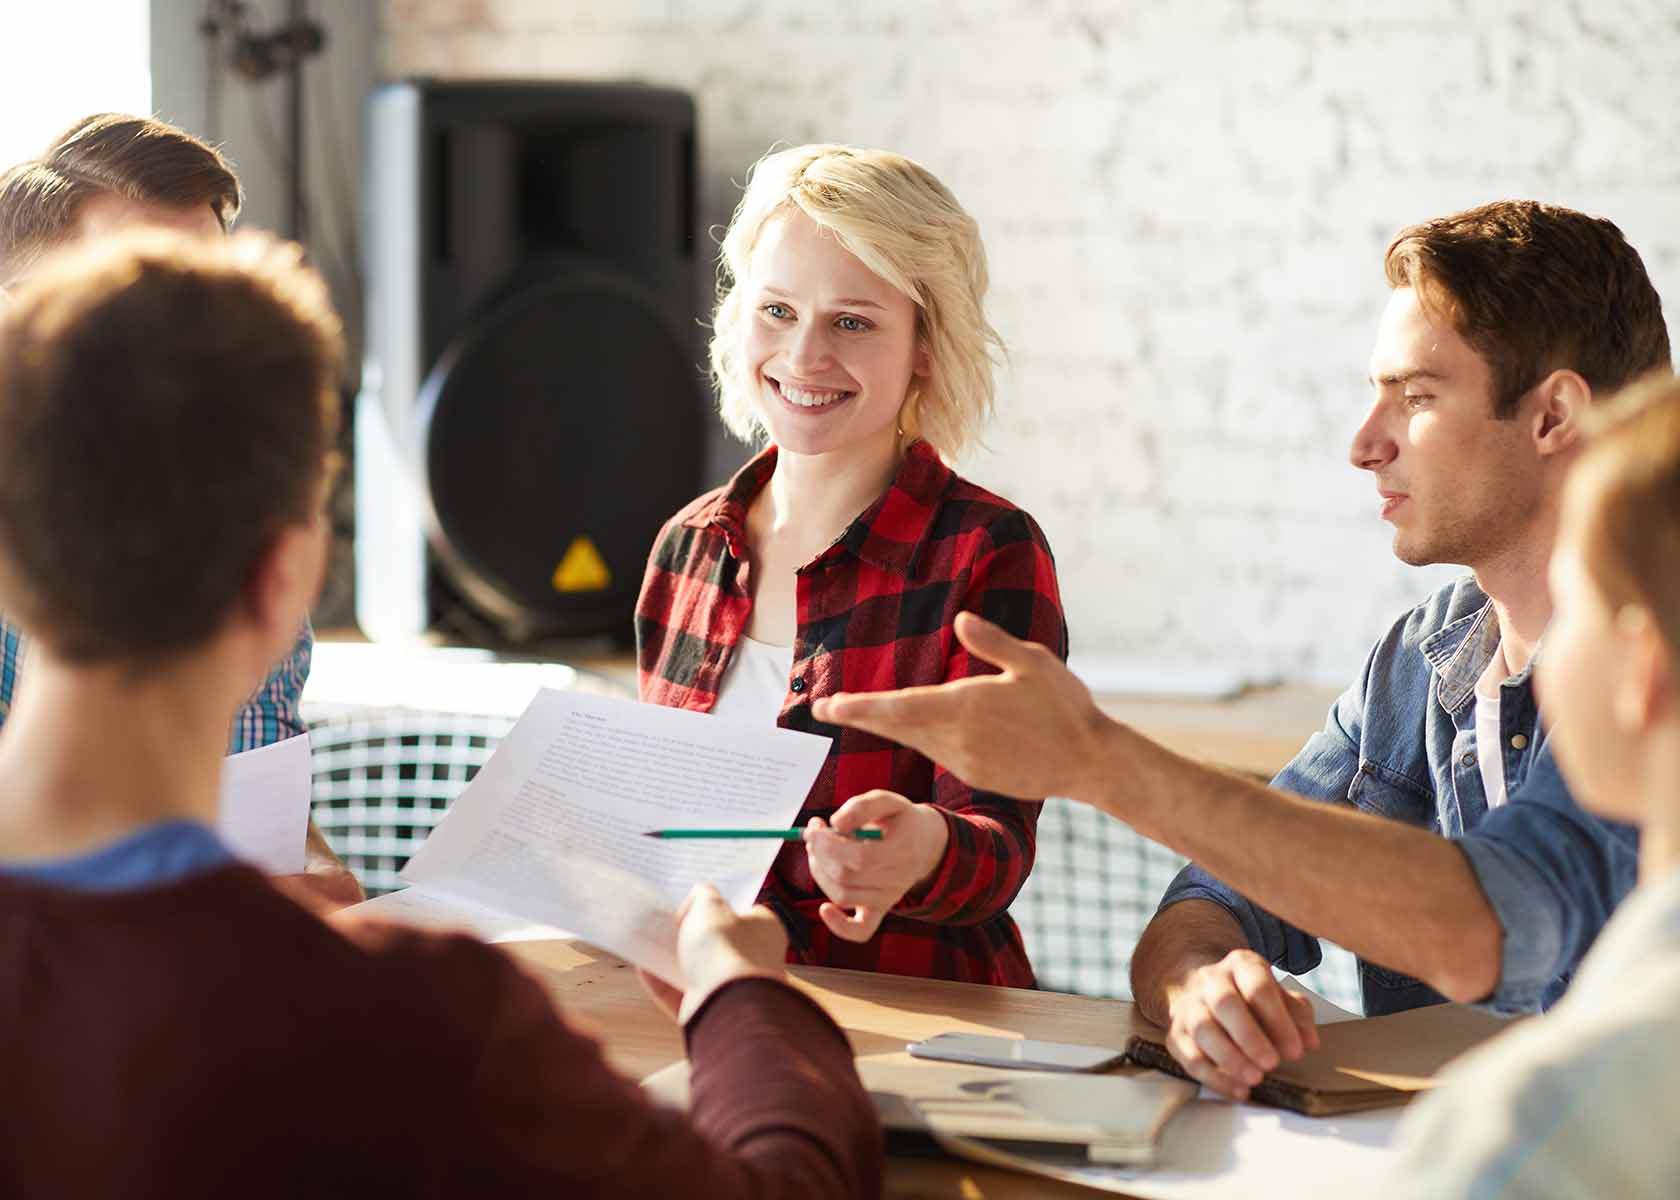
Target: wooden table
[(1212, 1148), (880, 1013), (1256, 732)]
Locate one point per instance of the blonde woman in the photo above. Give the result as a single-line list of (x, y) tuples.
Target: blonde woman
[(851, 336)]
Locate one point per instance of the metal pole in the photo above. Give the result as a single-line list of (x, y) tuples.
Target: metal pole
[(299, 220)]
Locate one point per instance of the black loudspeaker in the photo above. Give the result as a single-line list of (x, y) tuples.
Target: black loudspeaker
[(532, 393)]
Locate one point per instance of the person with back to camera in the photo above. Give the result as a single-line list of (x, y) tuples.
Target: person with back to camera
[(171, 1024), (851, 334), (108, 173)]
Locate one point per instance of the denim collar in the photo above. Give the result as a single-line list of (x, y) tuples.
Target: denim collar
[(1459, 654)]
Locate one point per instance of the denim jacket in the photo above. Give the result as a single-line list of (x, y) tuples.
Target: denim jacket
[(1401, 743)]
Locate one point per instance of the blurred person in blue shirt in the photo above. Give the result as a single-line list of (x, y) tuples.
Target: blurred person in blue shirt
[(1582, 1101)]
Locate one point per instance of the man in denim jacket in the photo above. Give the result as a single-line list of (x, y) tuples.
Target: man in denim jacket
[(1425, 827)]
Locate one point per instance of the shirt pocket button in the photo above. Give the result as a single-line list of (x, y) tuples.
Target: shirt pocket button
[(798, 686), (1519, 741)]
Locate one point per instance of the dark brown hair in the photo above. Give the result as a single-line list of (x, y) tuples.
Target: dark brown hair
[(1628, 484), (134, 157), (167, 406), (1536, 288)]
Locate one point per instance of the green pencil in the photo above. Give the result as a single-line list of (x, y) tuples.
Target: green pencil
[(781, 835)]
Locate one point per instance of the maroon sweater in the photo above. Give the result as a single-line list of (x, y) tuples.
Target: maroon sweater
[(211, 1038)]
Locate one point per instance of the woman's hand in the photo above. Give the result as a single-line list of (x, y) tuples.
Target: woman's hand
[(869, 877)]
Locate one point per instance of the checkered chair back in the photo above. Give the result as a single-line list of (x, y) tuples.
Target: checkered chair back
[(383, 777)]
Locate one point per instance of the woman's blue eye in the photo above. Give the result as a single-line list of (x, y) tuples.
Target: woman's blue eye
[(778, 311), (852, 324)]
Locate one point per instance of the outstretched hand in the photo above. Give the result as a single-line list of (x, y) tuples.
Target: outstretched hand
[(1031, 731)]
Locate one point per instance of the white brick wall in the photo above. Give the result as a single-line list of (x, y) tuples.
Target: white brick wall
[(1185, 205)]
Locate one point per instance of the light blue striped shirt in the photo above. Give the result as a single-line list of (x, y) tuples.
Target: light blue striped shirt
[(270, 715)]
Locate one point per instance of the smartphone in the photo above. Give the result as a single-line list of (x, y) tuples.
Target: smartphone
[(1021, 1054)]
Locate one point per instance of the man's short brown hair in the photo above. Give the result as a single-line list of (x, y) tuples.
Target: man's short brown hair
[(134, 157), (1535, 288), (167, 407), (1629, 479)]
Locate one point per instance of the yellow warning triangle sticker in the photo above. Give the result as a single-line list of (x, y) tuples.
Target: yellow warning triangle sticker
[(582, 569)]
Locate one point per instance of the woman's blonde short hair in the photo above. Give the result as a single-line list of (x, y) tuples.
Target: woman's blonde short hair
[(907, 227)]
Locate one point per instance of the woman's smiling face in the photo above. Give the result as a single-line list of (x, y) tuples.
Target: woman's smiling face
[(830, 347)]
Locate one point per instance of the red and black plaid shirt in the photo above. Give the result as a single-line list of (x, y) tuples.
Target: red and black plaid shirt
[(875, 612)]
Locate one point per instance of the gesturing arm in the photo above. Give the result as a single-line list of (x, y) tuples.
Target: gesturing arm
[(1395, 894), (1202, 966)]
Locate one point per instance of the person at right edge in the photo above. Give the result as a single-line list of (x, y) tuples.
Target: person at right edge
[(1582, 1102)]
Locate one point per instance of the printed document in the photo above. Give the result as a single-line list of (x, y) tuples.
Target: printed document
[(551, 829), (264, 813), (425, 909)]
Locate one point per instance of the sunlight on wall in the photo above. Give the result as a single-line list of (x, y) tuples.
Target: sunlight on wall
[(66, 59)]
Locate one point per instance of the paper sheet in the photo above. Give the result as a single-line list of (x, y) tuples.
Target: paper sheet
[(1210, 1147), (429, 910), (1213, 1146), (551, 828), (1254, 1150), (264, 814), (1324, 1011)]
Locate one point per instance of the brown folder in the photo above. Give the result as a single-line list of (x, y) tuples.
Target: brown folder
[(1374, 1062), (1007, 1117)]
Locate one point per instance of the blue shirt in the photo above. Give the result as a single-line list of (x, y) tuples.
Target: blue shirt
[(1401, 743), (152, 857), (270, 715)]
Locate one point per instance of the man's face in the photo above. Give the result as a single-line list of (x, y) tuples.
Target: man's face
[(1457, 484), (109, 213)]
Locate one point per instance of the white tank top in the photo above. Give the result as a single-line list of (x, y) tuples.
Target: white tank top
[(1490, 747), (755, 682)]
